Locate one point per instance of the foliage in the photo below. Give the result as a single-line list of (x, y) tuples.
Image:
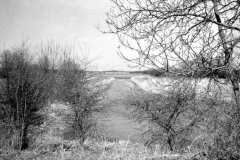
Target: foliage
[(184, 36), (170, 117), (25, 91), (185, 116), (93, 149), (151, 72), (198, 38), (199, 35), (82, 96)]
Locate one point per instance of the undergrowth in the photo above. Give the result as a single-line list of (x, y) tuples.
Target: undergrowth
[(93, 149)]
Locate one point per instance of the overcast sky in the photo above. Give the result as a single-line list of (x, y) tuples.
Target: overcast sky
[(65, 22)]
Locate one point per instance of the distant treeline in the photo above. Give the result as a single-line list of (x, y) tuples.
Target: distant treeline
[(151, 72)]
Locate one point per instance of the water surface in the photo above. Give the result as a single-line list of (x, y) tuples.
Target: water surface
[(118, 126)]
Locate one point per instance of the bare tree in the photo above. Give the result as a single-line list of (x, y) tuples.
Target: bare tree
[(183, 37), (25, 91), (50, 54), (83, 96), (170, 117), (202, 35)]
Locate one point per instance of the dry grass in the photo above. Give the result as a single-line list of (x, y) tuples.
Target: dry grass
[(94, 150)]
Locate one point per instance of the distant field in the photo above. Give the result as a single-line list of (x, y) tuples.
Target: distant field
[(120, 76)]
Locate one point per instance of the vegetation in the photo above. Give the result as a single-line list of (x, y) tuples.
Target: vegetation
[(96, 149), (83, 98), (188, 40), (183, 116), (167, 116), (30, 86), (25, 91), (192, 39), (151, 72), (182, 36)]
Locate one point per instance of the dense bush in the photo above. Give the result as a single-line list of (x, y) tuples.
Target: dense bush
[(186, 117), (169, 115), (83, 97), (30, 85), (24, 90)]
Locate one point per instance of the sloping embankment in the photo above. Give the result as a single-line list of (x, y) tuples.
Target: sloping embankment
[(161, 84)]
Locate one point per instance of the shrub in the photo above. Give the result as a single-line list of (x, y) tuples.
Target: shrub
[(168, 115), (25, 91), (82, 96)]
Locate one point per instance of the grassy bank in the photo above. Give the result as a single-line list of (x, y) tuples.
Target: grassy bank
[(93, 149)]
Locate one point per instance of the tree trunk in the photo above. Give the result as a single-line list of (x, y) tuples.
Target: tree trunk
[(25, 139), (228, 59), (235, 85), (170, 143)]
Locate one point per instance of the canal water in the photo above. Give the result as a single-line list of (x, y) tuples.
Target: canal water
[(117, 124)]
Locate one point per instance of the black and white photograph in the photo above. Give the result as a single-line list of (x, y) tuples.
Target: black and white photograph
[(119, 79)]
